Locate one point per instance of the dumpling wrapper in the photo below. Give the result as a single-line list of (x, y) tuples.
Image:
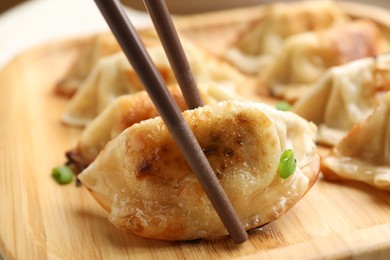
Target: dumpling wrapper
[(305, 58), (364, 154), (125, 111), (113, 76), (345, 96), (143, 180), (257, 47), (101, 45)]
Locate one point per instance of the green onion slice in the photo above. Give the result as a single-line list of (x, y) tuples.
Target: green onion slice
[(62, 174), (287, 164), (283, 106)]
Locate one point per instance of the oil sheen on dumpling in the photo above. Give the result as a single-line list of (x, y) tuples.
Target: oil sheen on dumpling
[(143, 180), (345, 96), (125, 111), (257, 47), (113, 76), (305, 58), (364, 154)]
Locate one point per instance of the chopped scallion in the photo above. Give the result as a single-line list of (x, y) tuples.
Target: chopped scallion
[(287, 164), (283, 106), (62, 174)]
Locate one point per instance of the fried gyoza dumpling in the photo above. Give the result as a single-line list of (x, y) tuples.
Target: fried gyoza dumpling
[(113, 76), (144, 181), (345, 96), (122, 113), (282, 20), (364, 154), (305, 57), (99, 46)]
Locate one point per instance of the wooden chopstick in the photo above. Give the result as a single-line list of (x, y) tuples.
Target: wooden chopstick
[(167, 33), (137, 55)]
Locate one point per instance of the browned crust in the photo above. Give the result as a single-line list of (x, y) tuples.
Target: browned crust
[(311, 170), (76, 161), (353, 41)]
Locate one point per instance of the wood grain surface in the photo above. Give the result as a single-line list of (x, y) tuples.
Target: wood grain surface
[(40, 219)]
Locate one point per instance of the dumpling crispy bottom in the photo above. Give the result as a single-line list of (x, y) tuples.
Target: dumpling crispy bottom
[(311, 170)]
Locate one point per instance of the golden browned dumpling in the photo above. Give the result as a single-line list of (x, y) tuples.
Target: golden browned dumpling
[(113, 76), (364, 154), (122, 113), (143, 180), (305, 58), (256, 47), (345, 96), (285, 19), (125, 111)]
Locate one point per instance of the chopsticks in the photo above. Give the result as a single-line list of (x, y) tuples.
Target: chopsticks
[(138, 57), (177, 59)]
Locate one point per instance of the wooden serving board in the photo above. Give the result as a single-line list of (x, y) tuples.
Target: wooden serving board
[(40, 219)]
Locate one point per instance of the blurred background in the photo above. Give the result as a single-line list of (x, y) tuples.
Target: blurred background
[(6, 4), (24, 24), (195, 6), (184, 7)]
